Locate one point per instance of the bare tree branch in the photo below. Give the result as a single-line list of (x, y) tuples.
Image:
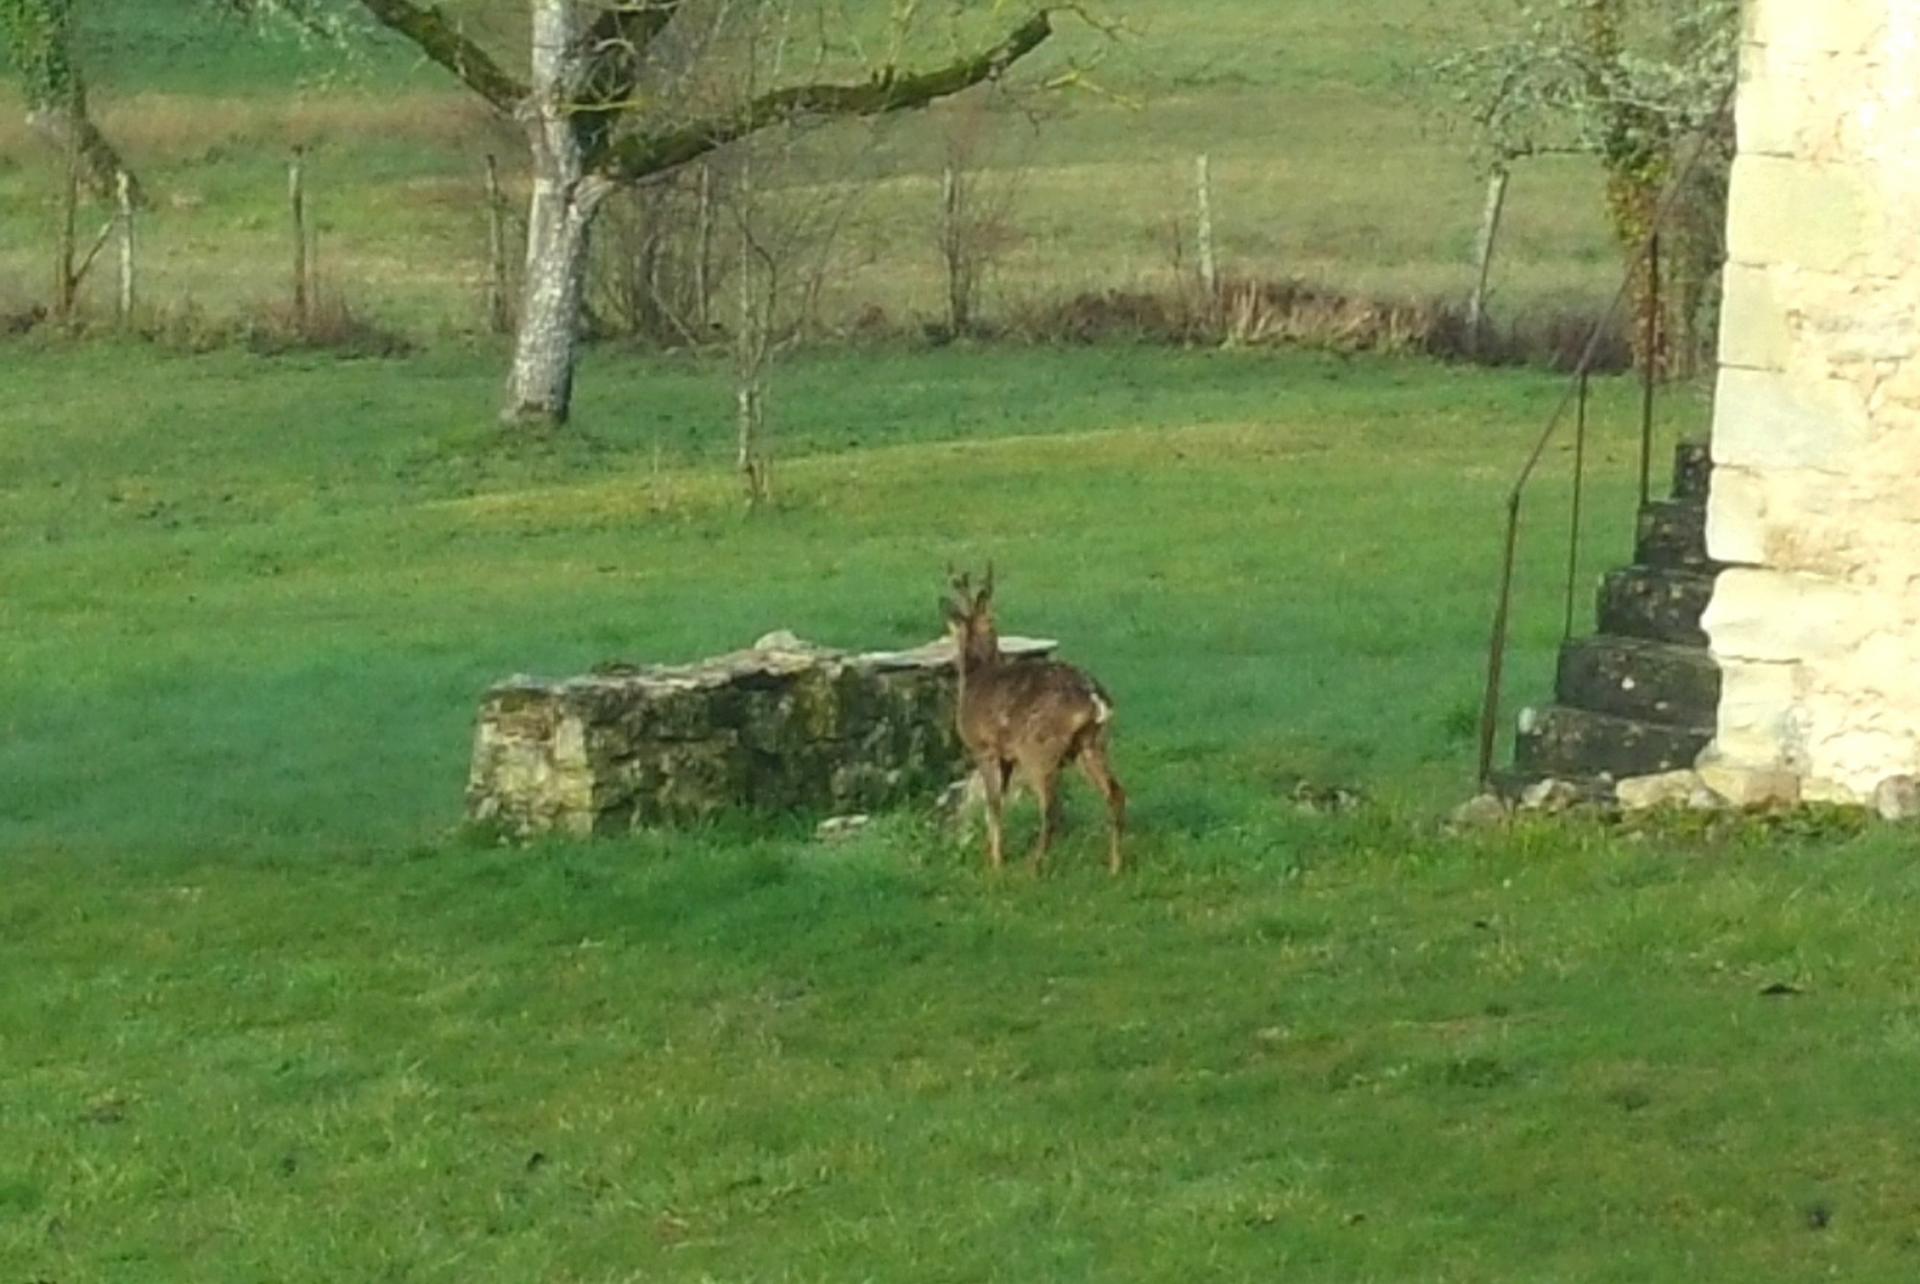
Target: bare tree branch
[(444, 42), (636, 157), (617, 45)]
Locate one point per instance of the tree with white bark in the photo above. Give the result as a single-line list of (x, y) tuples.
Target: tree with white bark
[(606, 103), (37, 39), (1626, 81)]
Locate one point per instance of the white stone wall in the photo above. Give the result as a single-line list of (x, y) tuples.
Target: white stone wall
[(1816, 437)]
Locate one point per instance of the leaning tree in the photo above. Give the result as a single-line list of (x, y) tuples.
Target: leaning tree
[(605, 103), (1627, 81), (37, 39)]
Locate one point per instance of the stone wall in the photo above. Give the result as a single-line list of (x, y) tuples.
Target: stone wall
[(1816, 440), (781, 726)]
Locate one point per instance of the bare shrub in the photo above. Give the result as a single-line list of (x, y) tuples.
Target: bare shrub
[(20, 311), (1107, 316), (329, 323), (174, 127), (975, 228), (1295, 314), (186, 327), (656, 274), (1298, 314), (1554, 336)]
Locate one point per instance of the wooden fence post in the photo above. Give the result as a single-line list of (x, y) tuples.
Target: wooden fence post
[(954, 238), (123, 193), (1483, 250), (1203, 194), (499, 318), (297, 198)]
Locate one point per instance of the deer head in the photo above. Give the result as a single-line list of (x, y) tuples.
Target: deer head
[(969, 616)]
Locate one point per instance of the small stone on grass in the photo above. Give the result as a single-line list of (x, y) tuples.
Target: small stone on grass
[(839, 828)]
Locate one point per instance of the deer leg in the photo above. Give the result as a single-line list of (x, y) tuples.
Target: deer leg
[(1046, 791), (993, 783), (1093, 761)]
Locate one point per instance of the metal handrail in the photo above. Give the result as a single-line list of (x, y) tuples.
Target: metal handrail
[(1576, 394)]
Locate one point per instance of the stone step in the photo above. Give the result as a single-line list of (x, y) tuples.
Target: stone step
[(1656, 603), (1673, 533), (1635, 678), (1579, 744), (1692, 469)]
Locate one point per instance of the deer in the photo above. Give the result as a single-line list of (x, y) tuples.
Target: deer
[(1038, 717)]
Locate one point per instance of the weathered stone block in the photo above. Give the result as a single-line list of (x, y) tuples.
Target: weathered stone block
[(1655, 603), (1754, 720), (1770, 419), (1825, 211), (1635, 678), (1578, 743), (1795, 102), (1736, 516), (1803, 27), (1749, 786), (1672, 533), (1759, 614), (779, 727), (1754, 330), (1692, 470), (1662, 789)]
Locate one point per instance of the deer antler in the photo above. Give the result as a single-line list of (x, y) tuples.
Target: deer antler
[(960, 584)]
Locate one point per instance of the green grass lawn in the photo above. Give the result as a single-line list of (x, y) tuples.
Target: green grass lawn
[(1330, 153), (267, 1014), (1280, 562)]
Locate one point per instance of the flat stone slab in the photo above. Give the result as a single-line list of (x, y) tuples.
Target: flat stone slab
[(1636, 678), (1578, 744), (781, 726)]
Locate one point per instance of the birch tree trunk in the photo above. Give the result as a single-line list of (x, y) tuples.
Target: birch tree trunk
[(559, 217), (546, 344)]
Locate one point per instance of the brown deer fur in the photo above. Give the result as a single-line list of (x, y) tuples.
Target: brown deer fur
[(1035, 716)]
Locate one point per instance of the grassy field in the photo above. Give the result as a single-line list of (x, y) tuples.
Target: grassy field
[(1244, 540), (267, 1013), (1330, 159)]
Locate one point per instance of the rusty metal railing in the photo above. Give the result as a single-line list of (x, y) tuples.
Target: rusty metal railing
[(1577, 398)]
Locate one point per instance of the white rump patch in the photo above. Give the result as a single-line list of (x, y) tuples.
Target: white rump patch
[(1102, 711)]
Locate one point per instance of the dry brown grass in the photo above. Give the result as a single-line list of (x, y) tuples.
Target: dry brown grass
[(330, 323), (1299, 314), (1098, 243), (170, 127)]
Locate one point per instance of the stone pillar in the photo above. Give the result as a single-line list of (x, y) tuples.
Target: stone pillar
[(1815, 500)]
